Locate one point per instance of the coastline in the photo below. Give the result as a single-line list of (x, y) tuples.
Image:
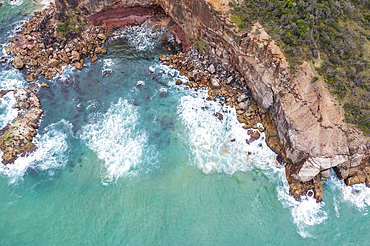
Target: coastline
[(260, 72)]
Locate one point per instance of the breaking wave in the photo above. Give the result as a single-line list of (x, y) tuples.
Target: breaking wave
[(117, 140), (51, 154)]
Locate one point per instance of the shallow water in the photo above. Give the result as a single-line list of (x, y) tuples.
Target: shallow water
[(128, 157)]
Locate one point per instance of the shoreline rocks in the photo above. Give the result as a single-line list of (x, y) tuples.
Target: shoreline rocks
[(16, 137), (46, 44), (303, 124)]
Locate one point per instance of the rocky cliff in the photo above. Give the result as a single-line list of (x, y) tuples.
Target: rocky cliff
[(309, 125)]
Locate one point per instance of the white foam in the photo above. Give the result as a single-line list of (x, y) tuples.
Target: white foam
[(305, 213), (212, 151), (143, 37), (210, 138), (52, 153), (8, 112), (116, 139), (11, 79), (358, 194), (16, 2), (140, 83)]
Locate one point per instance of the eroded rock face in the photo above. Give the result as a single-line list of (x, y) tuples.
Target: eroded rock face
[(16, 137), (310, 128)]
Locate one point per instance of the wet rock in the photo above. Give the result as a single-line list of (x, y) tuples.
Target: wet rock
[(45, 85), (78, 65), (219, 116), (17, 62), (94, 58), (30, 78), (178, 82), (3, 59), (254, 135), (164, 58)]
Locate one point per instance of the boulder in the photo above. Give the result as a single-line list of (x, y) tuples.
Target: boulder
[(94, 58), (30, 78), (102, 36), (45, 85), (211, 68), (53, 62), (215, 83), (75, 56), (17, 62), (78, 65)]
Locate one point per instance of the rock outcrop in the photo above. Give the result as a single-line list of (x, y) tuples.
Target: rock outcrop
[(16, 137)]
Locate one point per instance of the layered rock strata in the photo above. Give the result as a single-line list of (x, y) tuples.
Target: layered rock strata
[(310, 127), (16, 137)]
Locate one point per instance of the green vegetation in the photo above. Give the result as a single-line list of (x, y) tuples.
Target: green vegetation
[(200, 45), (73, 24), (239, 22), (332, 34)]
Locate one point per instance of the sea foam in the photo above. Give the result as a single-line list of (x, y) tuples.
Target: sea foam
[(117, 140), (210, 127), (51, 154)]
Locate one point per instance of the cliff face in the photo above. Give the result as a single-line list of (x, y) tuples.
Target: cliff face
[(309, 125)]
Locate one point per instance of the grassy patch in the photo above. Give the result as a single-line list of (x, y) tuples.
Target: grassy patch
[(200, 45), (73, 24), (238, 21)]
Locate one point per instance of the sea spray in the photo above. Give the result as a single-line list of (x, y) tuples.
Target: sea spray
[(117, 139), (51, 154)]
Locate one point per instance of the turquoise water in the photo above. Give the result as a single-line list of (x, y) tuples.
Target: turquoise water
[(126, 157)]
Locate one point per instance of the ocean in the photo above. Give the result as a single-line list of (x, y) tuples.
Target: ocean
[(127, 157)]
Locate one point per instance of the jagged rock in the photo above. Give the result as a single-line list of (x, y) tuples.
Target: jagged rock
[(53, 62), (78, 65), (211, 68), (215, 83), (17, 62), (45, 85), (94, 58), (30, 78), (102, 36)]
